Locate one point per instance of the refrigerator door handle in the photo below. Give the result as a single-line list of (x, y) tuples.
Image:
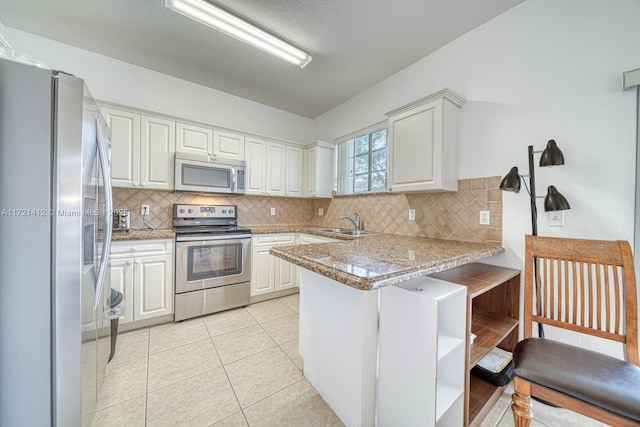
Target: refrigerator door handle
[(106, 243)]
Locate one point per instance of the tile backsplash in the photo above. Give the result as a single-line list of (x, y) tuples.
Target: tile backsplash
[(450, 215), (446, 215), (252, 210)]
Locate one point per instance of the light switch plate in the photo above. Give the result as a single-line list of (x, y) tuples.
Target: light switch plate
[(320, 211), (412, 214), (556, 218), (273, 211)]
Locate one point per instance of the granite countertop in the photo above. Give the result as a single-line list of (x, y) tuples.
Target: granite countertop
[(375, 261), (143, 235)]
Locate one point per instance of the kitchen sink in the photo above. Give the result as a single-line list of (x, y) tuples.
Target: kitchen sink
[(347, 231)]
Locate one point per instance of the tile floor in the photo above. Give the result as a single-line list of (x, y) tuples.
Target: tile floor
[(236, 368), (543, 415)]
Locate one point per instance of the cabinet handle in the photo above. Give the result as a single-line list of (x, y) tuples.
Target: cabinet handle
[(135, 184), (143, 184)]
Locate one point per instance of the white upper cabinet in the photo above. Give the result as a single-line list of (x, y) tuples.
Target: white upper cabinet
[(142, 150), (209, 142), (423, 144), (227, 144), (294, 161), (194, 139), (273, 168), (318, 172), (157, 148), (256, 156), (144, 147), (125, 147)]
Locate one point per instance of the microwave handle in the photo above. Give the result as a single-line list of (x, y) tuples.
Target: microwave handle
[(233, 179)]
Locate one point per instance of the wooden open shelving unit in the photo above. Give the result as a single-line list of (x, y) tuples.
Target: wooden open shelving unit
[(493, 313)]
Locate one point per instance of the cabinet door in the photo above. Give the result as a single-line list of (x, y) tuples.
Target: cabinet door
[(275, 169), (256, 152), (261, 271), (416, 153), (194, 139), (423, 146), (284, 274), (125, 147), (157, 148), (227, 144), (122, 281), (323, 180), (153, 290), (294, 161), (310, 176)]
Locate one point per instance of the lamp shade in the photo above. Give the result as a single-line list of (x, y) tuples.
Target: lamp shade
[(551, 156), (554, 201), (511, 182)]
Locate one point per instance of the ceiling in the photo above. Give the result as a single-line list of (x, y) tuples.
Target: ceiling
[(354, 43)]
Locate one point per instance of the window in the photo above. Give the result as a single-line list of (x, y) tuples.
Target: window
[(362, 161)]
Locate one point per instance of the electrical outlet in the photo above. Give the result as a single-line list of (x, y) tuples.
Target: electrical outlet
[(320, 211), (273, 211), (485, 217), (412, 214), (144, 210), (556, 218)]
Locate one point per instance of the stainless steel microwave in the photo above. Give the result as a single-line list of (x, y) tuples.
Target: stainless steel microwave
[(201, 174)]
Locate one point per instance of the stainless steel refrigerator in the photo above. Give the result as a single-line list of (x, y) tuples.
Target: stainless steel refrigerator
[(55, 233)]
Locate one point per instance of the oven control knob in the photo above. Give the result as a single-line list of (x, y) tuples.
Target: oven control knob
[(224, 211), (230, 211), (181, 210), (190, 210)]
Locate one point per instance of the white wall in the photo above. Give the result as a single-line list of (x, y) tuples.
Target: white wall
[(124, 83), (544, 70)]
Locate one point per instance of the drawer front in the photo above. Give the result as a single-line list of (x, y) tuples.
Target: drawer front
[(306, 239), (141, 248), (273, 239)]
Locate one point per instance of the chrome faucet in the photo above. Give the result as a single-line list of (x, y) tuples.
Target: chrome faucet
[(356, 222)]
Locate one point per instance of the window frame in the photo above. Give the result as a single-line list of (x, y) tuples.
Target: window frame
[(345, 161)]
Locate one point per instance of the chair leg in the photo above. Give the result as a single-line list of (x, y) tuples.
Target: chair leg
[(521, 406)]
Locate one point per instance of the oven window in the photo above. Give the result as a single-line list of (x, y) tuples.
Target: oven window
[(214, 260), (201, 176)]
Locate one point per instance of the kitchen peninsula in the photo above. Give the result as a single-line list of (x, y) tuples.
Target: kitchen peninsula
[(341, 289)]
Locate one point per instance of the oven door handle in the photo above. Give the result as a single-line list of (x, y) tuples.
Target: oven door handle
[(205, 238)]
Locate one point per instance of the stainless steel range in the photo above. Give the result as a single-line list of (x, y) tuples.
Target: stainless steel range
[(213, 260)]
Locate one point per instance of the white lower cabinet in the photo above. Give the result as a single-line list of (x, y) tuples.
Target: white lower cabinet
[(268, 273), (143, 272), (421, 353)]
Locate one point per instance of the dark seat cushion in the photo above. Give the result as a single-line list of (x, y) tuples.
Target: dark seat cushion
[(595, 378)]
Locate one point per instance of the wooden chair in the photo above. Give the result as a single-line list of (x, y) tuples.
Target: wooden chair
[(586, 286)]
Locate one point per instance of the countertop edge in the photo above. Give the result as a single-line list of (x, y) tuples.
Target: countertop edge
[(365, 284), (122, 236)]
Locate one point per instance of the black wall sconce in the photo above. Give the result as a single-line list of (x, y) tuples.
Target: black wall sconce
[(553, 201)]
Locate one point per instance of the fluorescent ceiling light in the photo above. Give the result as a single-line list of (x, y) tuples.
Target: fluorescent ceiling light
[(215, 17)]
